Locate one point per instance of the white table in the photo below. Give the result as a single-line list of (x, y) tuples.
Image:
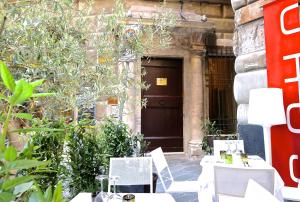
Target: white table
[(206, 179), (139, 197)]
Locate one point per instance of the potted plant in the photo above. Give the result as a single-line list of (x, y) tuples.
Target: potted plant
[(211, 133), (119, 141)]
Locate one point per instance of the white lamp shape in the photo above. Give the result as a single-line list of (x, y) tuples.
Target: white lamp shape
[(266, 109)]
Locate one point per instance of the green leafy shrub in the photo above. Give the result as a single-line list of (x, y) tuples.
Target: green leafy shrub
[(116, 139), (48, 196), (211, 132), (85, 156), (50, 147), (139, 144)]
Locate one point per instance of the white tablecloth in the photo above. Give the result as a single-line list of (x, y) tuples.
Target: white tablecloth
[(139, 197), (206, 178)]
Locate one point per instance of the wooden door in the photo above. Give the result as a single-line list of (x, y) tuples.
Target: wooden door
[(162, 119)]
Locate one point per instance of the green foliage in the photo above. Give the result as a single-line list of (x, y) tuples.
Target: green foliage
[(7, 78), (14, 185), (47, 39), (38, 196), (52, 40), (121, 44), (85, 156), (211, 132), (49, 147), (115, 137), (17, 92), (139, 144), (210, 128), (117, 140)]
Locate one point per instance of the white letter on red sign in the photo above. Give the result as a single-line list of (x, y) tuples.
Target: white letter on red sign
[(283, 29), (297, 78), (290, 80), (292, 158)]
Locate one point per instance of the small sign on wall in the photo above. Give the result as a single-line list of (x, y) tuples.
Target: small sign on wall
[(161, 81)]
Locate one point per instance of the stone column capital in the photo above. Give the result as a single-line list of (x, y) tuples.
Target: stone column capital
[(197, 43), (198, 51)]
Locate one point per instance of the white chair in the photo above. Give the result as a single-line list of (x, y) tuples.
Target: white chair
[(175, 186), (226, 198), (131, 171), (220, 145), (255, 192), (291, 193), (233, 182)]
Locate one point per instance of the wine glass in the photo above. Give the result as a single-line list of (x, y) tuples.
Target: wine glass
[(114, 196), (235, 150), (228, 156), (102, 177), (228, 151)]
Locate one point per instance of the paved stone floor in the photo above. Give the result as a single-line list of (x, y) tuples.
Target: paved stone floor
[(182, 169)]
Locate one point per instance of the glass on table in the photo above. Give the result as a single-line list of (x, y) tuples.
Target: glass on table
[(114, 196), (228, 155), (223, 154), (228, 158), (235, 147), (102, 195), (244, 158)]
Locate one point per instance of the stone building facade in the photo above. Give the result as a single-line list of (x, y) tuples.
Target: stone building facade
[(191, 38), (249, 48)]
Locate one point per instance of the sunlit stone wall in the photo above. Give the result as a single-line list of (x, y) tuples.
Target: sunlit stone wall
[(188, 43), (249, 48)]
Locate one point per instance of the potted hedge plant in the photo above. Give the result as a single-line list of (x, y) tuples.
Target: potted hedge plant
[(211, 133), (119, 141)]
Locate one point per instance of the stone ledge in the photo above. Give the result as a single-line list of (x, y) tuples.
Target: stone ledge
[(228, 11), (251, 1), (224, 42), (249, 13), (236, 4), (249, 38), (250, 62), (242, 114), (244, 82), (222, 25)]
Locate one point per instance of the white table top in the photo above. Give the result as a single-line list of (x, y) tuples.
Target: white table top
[(139, 197), (206, 178), (254, 162)]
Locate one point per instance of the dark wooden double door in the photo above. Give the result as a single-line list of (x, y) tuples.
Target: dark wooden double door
[(162, 119)]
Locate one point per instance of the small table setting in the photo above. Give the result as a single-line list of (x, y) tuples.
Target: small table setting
[(120, 197), (231, 158), (109, 196), (138, 197)]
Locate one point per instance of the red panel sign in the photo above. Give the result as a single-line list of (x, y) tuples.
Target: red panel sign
[(282, 34)]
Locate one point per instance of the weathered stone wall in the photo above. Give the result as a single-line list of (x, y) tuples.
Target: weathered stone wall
[(189, 44), (220, 15), (249, 48)]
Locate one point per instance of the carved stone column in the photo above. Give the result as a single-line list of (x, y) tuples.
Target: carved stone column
[(132, 103), (197, 95)]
